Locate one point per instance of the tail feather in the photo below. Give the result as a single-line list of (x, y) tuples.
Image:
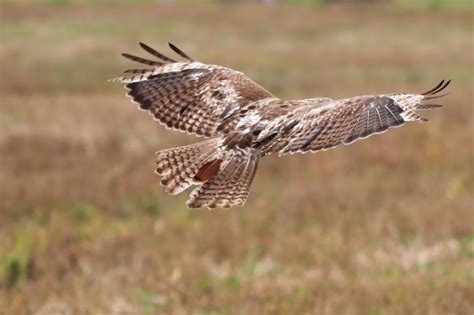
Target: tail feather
[(224, 175), (242, 187), (212, 192), (231, 186), (178, 166), (208, 170)]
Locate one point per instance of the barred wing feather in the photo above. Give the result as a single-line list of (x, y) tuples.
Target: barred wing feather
[(189, 96), (347, 120)]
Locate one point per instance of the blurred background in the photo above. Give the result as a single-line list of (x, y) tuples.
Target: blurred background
[(384, 226)]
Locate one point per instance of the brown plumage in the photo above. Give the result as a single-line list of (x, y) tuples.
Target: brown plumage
[(245, 122), (207, 171)]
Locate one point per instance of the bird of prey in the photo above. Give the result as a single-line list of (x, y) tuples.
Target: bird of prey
[(244, 122)]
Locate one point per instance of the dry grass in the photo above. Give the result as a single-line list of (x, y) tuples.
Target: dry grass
[(384, 226)]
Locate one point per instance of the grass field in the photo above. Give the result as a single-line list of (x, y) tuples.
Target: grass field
[(384, 226)]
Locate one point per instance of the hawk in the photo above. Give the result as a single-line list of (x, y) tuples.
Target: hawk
[(244, 122)]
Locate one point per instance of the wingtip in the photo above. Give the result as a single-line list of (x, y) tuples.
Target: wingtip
[(144, 46), (438, 88), (179, 51), (155, 53), (444, 86)]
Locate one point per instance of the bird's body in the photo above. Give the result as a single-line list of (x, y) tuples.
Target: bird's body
[(246, 122)]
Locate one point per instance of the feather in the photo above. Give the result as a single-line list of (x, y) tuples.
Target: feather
[(438, 88), (434, 97), (142, 60), (180, 52), (319, 130), (138, 71), (428, 106), (156, 53), (207, 171)]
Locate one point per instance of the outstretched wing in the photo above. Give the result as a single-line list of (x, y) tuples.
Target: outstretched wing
[(318, 127), (189, 96)]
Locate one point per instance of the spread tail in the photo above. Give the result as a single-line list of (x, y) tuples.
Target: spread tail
[(224, 175)]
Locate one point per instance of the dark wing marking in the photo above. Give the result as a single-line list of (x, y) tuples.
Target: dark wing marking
[(156, 53), (142, 60), (438, 88), (190, 96), (180, 52), (345, 121)]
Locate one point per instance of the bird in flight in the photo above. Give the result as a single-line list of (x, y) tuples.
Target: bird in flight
[(244, 122)]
